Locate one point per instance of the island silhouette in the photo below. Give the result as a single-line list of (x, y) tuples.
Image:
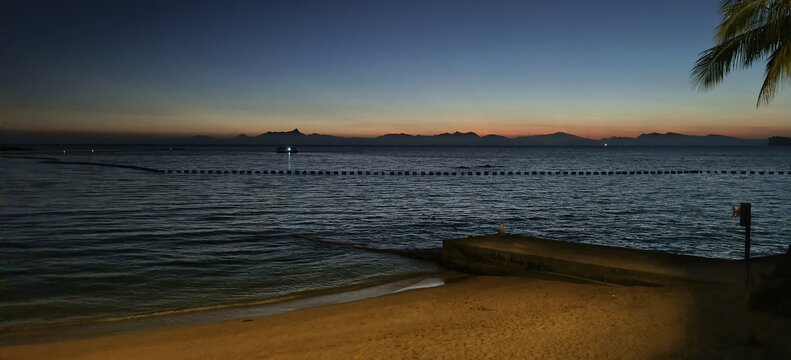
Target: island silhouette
[(298, 138)]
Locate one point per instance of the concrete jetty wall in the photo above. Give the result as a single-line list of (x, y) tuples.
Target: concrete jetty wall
[(512, 254)]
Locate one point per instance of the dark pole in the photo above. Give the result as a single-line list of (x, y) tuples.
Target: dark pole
[(747, 243), (745, 219)]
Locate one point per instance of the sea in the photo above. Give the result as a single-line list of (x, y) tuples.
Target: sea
[(222, 226)]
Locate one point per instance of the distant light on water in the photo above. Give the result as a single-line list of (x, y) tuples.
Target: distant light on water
[(128, 232)]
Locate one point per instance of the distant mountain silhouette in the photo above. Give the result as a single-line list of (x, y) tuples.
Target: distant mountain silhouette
[(674, 139), (558, 138), (778, 140), (297, 138)]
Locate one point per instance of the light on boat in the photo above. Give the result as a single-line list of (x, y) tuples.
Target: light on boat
[(288, 149)]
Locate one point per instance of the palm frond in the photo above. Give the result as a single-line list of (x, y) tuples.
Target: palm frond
[(739, 17), (750, 30), (778, 68), (741, 51)]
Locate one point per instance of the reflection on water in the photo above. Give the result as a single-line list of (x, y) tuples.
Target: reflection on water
[(100, 242)]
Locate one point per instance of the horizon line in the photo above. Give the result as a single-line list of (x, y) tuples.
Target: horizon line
[(226, 136)]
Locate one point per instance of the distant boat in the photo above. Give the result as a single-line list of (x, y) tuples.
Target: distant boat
[(287, 150)]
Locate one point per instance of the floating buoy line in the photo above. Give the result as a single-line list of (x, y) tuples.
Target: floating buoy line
[(473, 173), (463, 172)]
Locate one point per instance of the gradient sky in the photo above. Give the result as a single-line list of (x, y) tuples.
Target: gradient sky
[(366, 68)]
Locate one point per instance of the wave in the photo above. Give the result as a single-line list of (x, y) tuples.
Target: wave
[(32, 332), (429, 254)]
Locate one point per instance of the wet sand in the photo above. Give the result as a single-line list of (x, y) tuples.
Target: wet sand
[(474, 317)]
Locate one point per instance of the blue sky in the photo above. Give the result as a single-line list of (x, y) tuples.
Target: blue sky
[(365, 68)]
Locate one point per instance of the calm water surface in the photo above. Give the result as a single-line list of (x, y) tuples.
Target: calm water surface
[(86, 242)]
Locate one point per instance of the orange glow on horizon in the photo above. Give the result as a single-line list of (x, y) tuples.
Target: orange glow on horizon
[(764, 125), (594, 134)]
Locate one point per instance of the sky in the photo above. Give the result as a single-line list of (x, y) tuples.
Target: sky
[(367, 68)]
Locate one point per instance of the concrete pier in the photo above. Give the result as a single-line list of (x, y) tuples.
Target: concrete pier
[(514, 255)]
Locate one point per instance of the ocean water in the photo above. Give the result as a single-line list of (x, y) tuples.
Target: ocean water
[(81, 242)]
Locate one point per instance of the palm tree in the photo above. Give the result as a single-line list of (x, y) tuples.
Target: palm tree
[(750, 30)]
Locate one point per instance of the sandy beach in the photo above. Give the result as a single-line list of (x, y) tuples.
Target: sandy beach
[(471, 317)]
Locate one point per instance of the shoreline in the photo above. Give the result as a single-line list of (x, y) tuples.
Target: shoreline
[(472, 317), (27, 334)]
